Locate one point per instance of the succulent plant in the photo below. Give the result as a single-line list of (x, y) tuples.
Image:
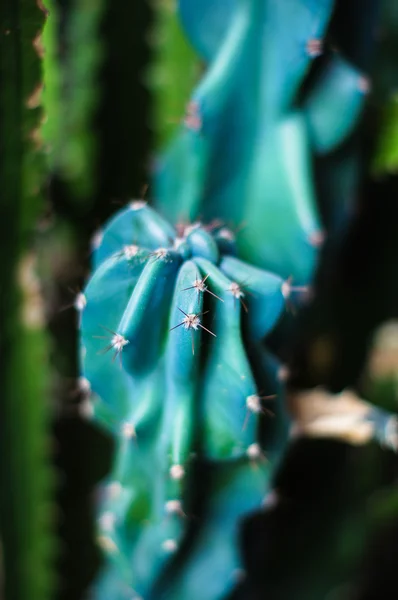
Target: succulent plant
[(174, 318), (188, 383)]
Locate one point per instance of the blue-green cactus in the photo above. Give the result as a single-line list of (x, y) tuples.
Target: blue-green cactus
[(180, 384), (174, 318)]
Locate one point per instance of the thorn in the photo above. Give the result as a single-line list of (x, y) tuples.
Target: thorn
[(317, 238), (79, 303), (170, 545), (314, 47), (113, 490), (177, 472), (192, 119), (254, 404), (107, 521), (199, 285), (160, 254), (174, 507), (128, 431), (364, 85), (107, 544), (144, 191), (96, 240), (138, 204), (236, 290), (254, 451), (192, 322), (117, 342), (131, 251)]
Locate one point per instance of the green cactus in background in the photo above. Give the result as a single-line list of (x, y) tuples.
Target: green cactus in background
[(26, 509), (71, 94)]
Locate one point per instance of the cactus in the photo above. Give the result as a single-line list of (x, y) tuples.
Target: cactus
[(182, 382), (175, 318), (27, 546)]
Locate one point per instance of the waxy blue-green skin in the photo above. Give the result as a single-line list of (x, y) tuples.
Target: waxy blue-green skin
[(175, 394), (172, 395)]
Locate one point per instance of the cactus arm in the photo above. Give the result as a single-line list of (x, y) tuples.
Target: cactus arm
[(146, 315), (106, 296), (229, 426), (334, 104), (182, 368)]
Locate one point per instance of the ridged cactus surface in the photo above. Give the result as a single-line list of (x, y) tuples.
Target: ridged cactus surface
[(171, 329), (245, 151), (175, 317)]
